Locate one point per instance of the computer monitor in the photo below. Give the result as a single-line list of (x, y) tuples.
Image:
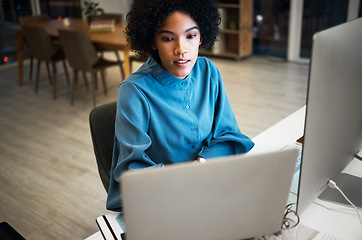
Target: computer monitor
[(333, 124)]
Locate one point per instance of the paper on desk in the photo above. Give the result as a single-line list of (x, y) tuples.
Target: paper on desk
[(306, 233), (354, 168)]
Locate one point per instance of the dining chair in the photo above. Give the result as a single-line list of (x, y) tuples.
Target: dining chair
[(44, 49), (117, 17), (32, 19), (137, 58), (82, 56)]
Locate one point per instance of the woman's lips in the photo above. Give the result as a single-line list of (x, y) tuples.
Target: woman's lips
[(181, 62)]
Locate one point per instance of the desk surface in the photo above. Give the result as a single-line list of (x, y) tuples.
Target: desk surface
[(339, 222), (285, 132)]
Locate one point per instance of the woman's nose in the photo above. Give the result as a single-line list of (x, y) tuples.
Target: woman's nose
[(180, 48)]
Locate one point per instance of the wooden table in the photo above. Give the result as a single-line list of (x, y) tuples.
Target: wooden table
[(115, 40)]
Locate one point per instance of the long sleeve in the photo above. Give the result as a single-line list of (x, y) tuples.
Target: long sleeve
[(225, 137), (131, 140)]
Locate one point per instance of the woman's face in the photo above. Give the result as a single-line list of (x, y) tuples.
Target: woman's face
[(177, 42)]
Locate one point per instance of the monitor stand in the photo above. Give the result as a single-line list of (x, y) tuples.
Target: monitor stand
[(350, 185)]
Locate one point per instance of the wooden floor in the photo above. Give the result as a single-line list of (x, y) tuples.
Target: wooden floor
[(49, 184)]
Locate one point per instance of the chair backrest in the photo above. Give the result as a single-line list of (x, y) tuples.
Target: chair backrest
[(78, 49), (39, 42), (101, 122), (32, 19)]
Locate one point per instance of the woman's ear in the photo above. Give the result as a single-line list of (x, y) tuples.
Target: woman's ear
[(154, 47)]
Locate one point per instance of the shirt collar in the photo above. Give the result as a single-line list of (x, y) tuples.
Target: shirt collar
[(161, 75)]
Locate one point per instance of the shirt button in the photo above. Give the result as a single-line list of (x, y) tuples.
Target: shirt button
[(196, 129), (193, 147), (183, 83), (187, 106)]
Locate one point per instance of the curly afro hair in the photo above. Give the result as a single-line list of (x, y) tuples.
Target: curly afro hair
[(146, 16)]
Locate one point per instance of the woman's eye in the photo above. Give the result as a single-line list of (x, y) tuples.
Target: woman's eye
[(167, 39), (191, 36)]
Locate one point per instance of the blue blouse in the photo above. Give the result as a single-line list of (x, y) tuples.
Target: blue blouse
[(162, 120)]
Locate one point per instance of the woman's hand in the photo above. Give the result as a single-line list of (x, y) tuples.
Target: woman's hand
[(200, 160)]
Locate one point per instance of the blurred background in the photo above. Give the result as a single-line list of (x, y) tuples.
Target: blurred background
[(281, 28)]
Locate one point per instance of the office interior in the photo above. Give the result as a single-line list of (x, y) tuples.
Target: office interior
[(50, 186)]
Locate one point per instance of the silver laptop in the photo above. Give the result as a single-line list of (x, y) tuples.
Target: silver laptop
[(225, 198)]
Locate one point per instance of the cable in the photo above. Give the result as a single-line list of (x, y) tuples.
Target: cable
[(332, 185), (292, 220), (358, 157)]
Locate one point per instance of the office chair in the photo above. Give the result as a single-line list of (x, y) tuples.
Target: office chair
[(82, 56), (101, 122), (44, 49), (32, 19)]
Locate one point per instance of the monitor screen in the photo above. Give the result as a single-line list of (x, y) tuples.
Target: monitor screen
[(333, 124)]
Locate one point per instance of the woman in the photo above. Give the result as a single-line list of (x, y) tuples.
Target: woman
[(174, 108)]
